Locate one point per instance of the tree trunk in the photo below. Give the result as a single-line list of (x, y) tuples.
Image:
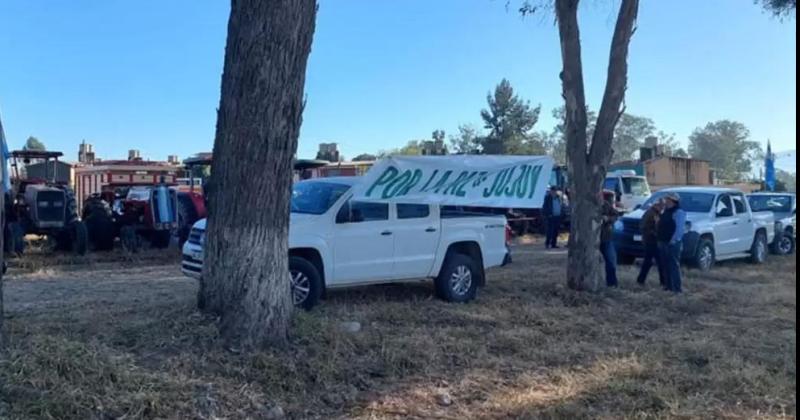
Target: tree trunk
[(246, 273), (2, 248), (588, 165)]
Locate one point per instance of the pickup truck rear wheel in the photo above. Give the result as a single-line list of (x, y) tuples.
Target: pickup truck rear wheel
[(458, 280), (758, 252), (306, 283), (705, 257)]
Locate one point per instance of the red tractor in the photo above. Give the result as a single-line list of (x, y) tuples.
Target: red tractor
[(132, 213), (192, 203), (41, 204)]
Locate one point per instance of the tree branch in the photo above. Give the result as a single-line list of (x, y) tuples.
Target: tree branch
[(616, 84)]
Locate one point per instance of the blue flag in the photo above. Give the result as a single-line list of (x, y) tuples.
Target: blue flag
[(769, 169)]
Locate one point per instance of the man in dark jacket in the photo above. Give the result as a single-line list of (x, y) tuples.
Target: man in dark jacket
[(671, 228), (552, 210), (610, 215), (649, 229)]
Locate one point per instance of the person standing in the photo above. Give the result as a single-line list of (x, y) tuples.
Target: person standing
[(671, 228), (652, 257), (552, 210), (610, 215)]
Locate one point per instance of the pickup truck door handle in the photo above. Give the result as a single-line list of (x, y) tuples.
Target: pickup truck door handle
[(430, 230), (386, 233)]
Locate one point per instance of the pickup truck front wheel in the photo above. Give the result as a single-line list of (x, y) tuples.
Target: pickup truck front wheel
[(458, 280), (705, 256), (306, 283)]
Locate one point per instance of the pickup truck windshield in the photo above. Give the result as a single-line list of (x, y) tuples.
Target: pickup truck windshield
[(635, 186), (691, 202), (775, 203), (316, 197)]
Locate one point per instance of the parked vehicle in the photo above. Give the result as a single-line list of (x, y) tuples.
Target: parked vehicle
[(42, 206), (631, 190), (336, 242), (784, 207), (192, 205), (132, 213), (720, 226)]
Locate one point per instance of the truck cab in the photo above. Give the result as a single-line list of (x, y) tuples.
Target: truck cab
[(631, 190)]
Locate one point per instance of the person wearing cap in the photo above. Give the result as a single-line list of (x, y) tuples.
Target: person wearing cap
[(552, 210), (671, 228), (610, 215), (650, 239)]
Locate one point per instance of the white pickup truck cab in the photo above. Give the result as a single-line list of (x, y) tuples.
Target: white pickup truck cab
[(631, 190), (336, 242), (720, 226)]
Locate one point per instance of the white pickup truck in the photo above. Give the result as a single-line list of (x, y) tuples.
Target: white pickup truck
[(335, 242), (720, 226)]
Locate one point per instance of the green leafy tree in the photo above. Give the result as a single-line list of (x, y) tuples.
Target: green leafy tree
[(438, 135), (780, 8), (412, 148), (727, 145), (365, 157), (34, 144), (509, 120), (629, 136), (467, 141)]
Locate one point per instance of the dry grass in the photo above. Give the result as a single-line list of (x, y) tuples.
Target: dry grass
[(127, 343)]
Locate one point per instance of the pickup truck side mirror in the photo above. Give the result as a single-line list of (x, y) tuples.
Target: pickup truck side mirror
[(343, 216)]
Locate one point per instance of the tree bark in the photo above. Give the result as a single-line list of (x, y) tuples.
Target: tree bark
[(246, 273), (587, 164), (2, 253)]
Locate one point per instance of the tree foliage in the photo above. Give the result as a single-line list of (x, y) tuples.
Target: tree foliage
[(510, 121), (630, 134), (365, 157), (727, 145), (33, 143), (780, 8), (467, 141)]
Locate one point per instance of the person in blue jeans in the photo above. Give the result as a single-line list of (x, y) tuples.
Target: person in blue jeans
[(552, 210), (607, 248), (671, 228)]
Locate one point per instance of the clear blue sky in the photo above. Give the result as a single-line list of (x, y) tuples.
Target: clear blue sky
[(145, 74)]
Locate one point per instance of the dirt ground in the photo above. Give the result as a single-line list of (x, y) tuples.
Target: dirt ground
[(122, 339)]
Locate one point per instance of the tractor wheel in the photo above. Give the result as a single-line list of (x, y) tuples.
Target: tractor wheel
[(100, 225), (14, 239), (130, 239), (160, 239), (80, 238)]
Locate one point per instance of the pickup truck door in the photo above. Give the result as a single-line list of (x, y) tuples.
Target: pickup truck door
[(745, 229), (363, 244), (416, 239), (726, 226)]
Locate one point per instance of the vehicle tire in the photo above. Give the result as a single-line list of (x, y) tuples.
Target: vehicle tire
[(306, 284), (758, 251), (160, 239), (706, 256), (130, 239), (784, 244), (100, 225), (14, 239), (625, 259), (458, 280), (79, 236)]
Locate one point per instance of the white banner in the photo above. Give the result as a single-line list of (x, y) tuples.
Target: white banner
[(460, 180)]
